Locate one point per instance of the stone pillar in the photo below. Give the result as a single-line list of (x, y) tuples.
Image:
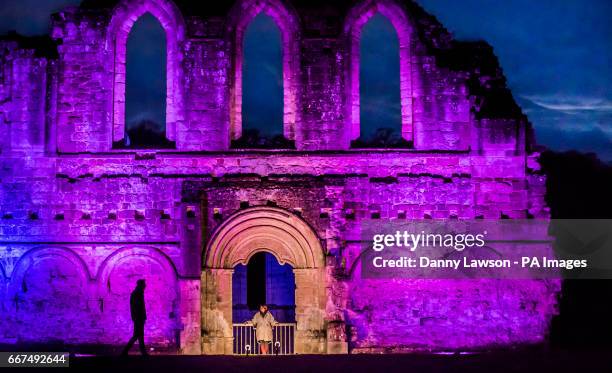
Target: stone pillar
[(191, 238), (216, 287), (336, 337), (337, 296), (310, 334), (190, 286), (190, 314)]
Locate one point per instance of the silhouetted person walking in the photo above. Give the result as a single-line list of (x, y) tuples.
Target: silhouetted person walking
[(139, 316)]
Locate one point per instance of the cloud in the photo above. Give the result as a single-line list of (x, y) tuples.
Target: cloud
[(587, 127), (571, 104)]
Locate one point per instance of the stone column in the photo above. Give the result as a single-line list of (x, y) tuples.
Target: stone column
[(190, 314), (310, 337), (337, 295), (336, 337), (216, 287)]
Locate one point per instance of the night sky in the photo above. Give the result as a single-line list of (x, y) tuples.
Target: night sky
[(555, 54)]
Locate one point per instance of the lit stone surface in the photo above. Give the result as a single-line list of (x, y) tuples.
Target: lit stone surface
[(80, 222)]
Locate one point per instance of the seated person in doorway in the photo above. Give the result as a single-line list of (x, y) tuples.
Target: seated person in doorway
[(263, 321)]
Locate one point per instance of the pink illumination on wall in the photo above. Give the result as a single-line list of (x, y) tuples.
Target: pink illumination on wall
[(78, 225)]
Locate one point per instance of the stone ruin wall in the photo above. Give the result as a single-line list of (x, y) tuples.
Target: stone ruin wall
[(80, 221)]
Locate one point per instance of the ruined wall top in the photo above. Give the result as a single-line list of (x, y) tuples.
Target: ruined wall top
[(453, 94)]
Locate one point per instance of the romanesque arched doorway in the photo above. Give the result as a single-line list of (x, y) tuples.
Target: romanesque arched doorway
[(291, 241)]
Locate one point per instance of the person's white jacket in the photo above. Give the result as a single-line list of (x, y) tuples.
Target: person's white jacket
[(263, 326)]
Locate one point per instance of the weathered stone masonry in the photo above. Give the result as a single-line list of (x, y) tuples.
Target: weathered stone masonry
[(81, 221)]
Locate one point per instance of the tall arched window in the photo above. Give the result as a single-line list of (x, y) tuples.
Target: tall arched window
[(145, 85), (379, 88), (379, 78), (145, 66), (262, 86), (266, 61)]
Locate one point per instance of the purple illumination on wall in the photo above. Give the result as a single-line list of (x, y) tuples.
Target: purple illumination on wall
[(81, 221)]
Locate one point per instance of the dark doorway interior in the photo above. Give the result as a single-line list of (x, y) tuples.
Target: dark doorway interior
[(256, 281), (263, 280)]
